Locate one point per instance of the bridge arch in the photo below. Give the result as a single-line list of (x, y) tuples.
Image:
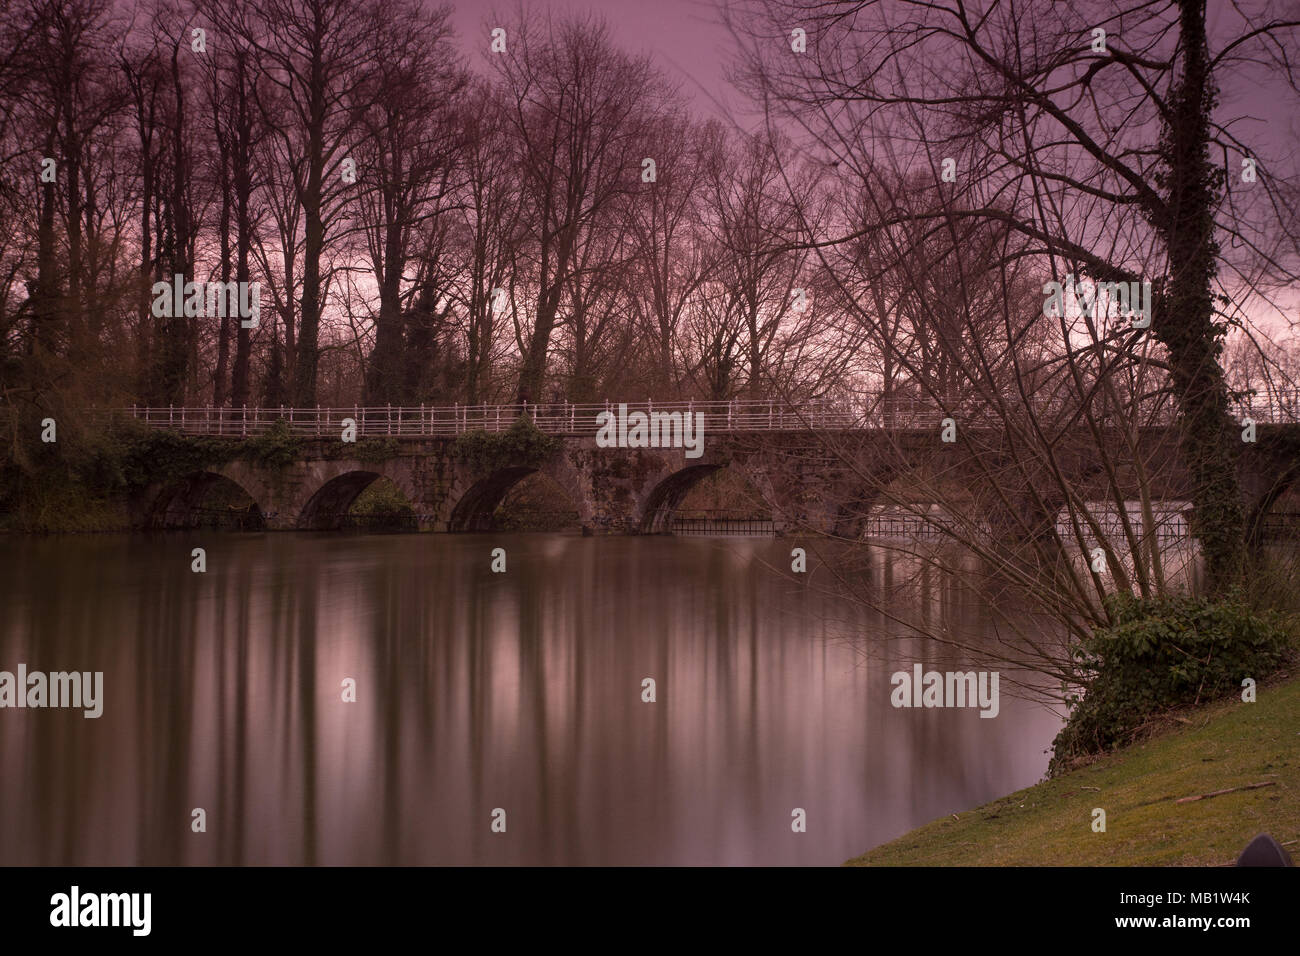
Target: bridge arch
[(671, 488), (666, 497), (332, 494), (188, 503), (477, 496), (1274, 514), (474, 509)]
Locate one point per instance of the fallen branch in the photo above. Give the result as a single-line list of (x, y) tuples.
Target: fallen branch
[(1219, 793)]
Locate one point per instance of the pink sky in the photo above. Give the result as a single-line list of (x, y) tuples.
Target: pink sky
[(683, 36)]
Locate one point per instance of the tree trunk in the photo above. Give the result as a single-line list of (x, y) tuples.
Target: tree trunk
[(1186, 325)]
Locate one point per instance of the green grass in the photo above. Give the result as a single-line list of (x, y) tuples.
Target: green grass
[(1214, 748)]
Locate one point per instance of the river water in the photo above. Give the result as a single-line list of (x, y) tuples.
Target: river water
[(482, 699)]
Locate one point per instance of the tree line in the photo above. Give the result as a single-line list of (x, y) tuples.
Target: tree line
[(552, 224), (549, 219)]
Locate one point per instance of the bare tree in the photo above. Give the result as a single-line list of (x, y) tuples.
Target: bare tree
[(578, 107), (489, 231), (321, 59), (756, 202), (670, 256), (406, 162), (1097, 152)]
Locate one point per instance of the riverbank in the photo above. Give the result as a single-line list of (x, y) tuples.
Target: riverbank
[(1220, 747)]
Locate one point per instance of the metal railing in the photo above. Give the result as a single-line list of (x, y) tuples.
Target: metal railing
[(1169, 530), (721, 523), (1281, 526), (910, 527), (566, 418)]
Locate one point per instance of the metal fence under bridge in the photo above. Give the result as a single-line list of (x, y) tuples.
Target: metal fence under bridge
[(1282, 526), (721, 523)]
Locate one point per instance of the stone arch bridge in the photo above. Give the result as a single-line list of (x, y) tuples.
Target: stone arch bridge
[(813, 468)]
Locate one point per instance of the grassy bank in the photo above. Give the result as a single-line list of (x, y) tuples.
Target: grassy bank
[(1215, 748)]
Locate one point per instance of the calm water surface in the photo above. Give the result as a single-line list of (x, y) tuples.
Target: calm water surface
[(475, 691)]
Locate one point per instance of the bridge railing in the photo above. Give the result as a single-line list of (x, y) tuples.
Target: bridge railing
[(565, 418)]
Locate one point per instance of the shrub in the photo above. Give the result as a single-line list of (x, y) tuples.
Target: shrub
[(375, 450), (78, 482), (274, 448), (152, 455), (523, 445), (1162, 654), (381, 497)]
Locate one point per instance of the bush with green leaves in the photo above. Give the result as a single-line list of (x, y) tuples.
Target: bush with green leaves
[(276, 447), (97, 465), (1161, 654), (380, 498), (374, 450), (523, 445), (135, 455)]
